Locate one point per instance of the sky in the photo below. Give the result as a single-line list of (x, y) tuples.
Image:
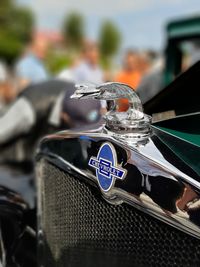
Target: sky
[(141, 22)]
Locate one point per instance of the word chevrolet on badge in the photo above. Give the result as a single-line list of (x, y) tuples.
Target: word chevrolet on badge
[(106, 167)]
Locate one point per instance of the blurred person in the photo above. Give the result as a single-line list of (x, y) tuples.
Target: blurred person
[(43, 108), (3, 78), (130, 75), (146, 61), (88, 70), (7, 92), (151, 83), (195, 53), (3, 71), (30, 67)]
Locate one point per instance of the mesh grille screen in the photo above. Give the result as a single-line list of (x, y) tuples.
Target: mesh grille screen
[(83, 230)]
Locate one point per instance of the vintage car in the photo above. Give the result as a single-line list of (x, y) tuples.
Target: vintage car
[(182, 46), (124, 192)]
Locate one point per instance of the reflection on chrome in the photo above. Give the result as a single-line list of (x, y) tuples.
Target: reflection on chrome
[(159, 187), (127, 125), (164, 188), (153, 183)]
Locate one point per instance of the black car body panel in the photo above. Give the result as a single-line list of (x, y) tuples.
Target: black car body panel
[(105, 200)]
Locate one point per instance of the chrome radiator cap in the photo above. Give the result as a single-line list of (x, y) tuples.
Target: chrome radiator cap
[(132, 125)]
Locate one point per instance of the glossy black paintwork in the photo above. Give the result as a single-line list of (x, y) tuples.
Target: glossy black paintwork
[(68, 149), (17, 216), (72, 151), (181, 96)]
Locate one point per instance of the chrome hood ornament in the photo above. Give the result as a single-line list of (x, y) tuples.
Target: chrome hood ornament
[(132, 125)]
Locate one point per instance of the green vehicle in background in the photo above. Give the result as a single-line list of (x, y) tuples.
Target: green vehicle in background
[(182, 50), (183, 47), (163, 95)]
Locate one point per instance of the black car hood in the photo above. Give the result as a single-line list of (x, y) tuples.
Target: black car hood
[(181, 96)]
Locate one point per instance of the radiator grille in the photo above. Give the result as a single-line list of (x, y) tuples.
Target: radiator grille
[(83, 230)]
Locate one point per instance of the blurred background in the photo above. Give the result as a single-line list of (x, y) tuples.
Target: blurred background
[(46, 46), (65, 26), (144, 43)]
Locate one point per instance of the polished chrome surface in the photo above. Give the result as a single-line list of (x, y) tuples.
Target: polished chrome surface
[(132, 124), (157, 181)]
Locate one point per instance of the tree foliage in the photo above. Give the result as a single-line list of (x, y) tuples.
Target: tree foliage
[(109, 39), (16, 29), (73, 30)]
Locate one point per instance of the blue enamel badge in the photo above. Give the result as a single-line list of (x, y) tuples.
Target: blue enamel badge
[(106, 167)]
